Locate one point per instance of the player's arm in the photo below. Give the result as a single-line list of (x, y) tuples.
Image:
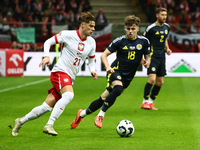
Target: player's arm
[(91, 66), (47, 45), (104, 59), (167, 47), (147, 61)]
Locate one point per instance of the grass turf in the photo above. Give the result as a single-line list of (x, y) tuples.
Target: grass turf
[(174, 126)]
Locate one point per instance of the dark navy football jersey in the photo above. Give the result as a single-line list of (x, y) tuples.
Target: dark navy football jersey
[(157, 36), (129, 54)]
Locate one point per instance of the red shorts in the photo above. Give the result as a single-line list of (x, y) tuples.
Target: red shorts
[(59, 80)]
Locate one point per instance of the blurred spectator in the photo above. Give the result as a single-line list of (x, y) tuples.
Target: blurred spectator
[(194, 4), (195, 26), (37, 15), (28, 8), (52, 10), (38, 30), (18, 10), (175, 6), (78, 15), (37, 5), (173, 23), (151, 11), (101, 20), (6, 7), (14, 32), (72, 6), (184, 5), (84, 6), (183, 21), (5, 27), (20, 23), (162, 3), (15, 45), (35, 48), (47, 5), (59, 16), (61, 5), (10, 19)]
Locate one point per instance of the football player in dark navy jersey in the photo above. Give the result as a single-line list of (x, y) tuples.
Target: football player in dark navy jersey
[(130, 49), (157, 34)]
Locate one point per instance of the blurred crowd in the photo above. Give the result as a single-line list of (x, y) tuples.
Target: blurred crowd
[(40, 14), (183, 15)]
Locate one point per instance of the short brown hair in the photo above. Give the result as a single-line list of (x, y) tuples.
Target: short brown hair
[(132, 19), (86, 17), (160, 9)]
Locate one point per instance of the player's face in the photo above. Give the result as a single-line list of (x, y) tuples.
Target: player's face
[(88, 28), (162, 17), (131, 31)]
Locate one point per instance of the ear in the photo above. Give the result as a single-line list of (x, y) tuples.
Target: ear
[(138, 28)]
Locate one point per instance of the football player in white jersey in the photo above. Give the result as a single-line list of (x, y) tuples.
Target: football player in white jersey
[(76, 47)]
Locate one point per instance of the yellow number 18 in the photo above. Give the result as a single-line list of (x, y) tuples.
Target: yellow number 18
[(131, 55)]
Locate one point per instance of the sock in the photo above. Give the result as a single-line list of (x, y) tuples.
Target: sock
[(155, 92), (83, 113), (60, 106), (36, 112), (95, 105), (150, 100), (101, 113), (110, 99), (147, 90), (145, 100)]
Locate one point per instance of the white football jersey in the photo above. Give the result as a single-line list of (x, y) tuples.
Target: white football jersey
[(74, 51)]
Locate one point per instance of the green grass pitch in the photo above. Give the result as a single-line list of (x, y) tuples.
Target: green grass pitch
[(175, 126)]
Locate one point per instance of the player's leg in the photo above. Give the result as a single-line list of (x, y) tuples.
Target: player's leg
[(117, 89), (161, 72), (147, 90), (95, 105), (67, 96), (34, 113), (155, 90)]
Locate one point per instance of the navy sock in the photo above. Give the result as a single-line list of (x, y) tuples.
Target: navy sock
[(155, 92), (95, 105), (147, 90)]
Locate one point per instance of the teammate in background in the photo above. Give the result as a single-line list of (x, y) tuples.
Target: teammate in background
[(77, 45), (157, 34), (130, 50)]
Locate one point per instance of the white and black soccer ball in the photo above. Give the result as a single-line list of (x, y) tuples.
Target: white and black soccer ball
[(125, 128)]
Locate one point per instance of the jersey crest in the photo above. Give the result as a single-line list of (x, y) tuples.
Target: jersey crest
[(81, 46)]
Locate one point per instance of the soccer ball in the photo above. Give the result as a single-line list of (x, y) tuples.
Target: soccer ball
[(125, 128)]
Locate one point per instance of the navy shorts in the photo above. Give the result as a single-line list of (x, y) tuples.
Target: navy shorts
[(117, 76), (157, 66)]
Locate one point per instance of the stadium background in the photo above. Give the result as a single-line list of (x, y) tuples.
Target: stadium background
[(30, 22)]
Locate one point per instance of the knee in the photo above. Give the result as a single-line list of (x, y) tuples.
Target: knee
[(118, 89), (68, 96), (159, 83), (151, 81)]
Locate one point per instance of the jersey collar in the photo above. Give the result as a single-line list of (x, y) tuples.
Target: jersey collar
[(77, 31)]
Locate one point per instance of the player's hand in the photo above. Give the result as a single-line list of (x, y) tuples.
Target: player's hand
[(110, 70), (45, 60), (146, 64), (94, 74), (169, 51)]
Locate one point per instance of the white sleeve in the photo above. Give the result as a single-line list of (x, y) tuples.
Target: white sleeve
[(47, 45), (91, 58), (92, 64)]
